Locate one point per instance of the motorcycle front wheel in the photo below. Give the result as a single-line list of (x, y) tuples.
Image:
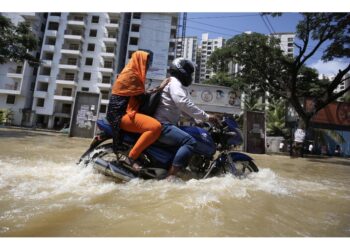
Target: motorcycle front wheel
[(240, 169)]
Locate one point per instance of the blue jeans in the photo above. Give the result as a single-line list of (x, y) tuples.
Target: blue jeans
[(175, 137)]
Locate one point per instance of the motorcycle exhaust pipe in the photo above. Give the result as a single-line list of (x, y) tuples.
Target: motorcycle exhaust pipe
[(113, 170)]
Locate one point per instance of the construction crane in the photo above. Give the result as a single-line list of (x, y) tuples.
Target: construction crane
[(184, 20)]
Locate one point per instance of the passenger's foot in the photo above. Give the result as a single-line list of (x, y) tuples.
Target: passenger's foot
[(130, 163)]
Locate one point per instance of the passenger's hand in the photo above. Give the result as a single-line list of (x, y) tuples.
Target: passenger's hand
[(164, 83), (161, 86)]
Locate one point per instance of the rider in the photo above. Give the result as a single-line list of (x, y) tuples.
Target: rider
[(174, 101), (124, 103)]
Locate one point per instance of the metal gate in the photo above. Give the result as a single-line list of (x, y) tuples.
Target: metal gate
[(85, 114)]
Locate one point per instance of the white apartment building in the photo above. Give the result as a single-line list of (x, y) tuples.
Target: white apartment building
[(17, 79), (78, 54), (343, 85), (187, 48), (287, 42), (208, 46), (155, 32)]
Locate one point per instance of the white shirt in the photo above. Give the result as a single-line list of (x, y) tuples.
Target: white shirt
[(174, 101), (299, 135)]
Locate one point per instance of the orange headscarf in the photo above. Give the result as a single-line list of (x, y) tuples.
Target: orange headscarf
[(131, 81)]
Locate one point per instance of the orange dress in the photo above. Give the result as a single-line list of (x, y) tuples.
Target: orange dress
[(131, 82)]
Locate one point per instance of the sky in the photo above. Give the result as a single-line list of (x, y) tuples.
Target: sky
[(227, 25), (207, 17)]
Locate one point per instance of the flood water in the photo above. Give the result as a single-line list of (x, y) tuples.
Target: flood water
[(44, 193)]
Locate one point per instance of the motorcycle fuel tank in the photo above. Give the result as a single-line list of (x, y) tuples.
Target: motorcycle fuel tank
[(205, 144)]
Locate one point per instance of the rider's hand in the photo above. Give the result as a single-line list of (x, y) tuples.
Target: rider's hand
[(214, 119)]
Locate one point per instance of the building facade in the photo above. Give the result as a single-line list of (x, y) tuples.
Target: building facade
[(17, 80), (208, 46), (286, 42)]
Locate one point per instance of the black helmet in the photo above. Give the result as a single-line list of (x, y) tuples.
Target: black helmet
[(182, 69)]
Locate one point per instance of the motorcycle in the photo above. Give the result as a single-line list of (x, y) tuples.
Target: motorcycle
[(212, 155)]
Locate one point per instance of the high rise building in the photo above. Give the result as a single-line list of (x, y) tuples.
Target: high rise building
[(78, 54), (208, 46), (17, 80), (155, 32), (82, 52), (286, 42)]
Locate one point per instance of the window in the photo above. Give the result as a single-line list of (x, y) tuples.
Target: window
[(55, 14), (40, 102), (103, 108), (93, 33), (71, 61), (69, 76), (290, 44), (74, 46), (135, 28), (51, 41), (108, 64), (87, 76), (46, 71), (89, 61), (91, 47), (66, 108), (106, 79), (105, 95), (136, 15), (66, 92), (35, 71), (290, 39), (53, 26), (110, 49), (84, 89), (95, 19), (133, 41), (10, 99), (19, 69), (42, 27), (130, 53), (32, 86)]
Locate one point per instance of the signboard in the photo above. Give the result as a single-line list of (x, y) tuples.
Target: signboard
[(335, 114), (84, 115), (254, 132)]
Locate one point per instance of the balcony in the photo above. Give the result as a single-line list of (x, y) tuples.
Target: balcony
[(77, 35), (77, 22), (51, 33), (54, 18), (29, 16), (67, 80), (15, 73), (64, 64), (112, 24), (61, 112), (71, 50), (40, 94), (46, 63), (43, 78), (108, 52), (107, 67), (10, 88), (134, 34), (50, 48), (61, 95), (136, 21)]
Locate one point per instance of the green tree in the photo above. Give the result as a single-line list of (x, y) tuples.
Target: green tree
[(265, 68), (16, 42), (275, 119)]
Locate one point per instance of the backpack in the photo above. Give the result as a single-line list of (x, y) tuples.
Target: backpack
[(150, 102)]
